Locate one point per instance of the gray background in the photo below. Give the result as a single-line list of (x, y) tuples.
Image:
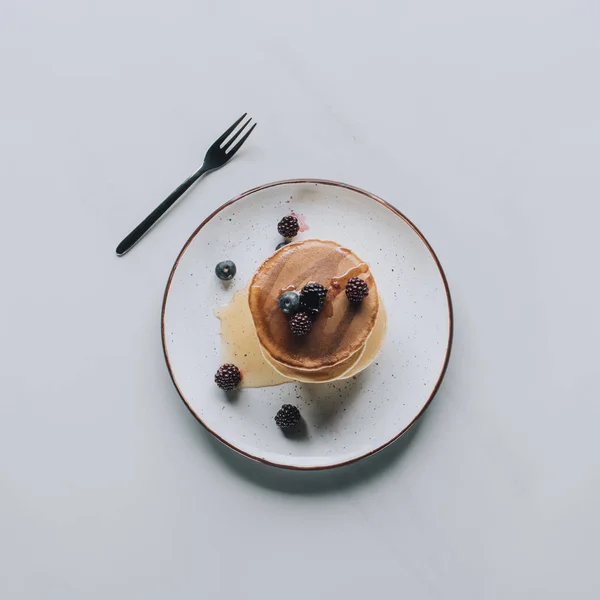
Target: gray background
[(479, 120)]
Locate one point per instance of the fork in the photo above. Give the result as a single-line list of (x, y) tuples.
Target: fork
[(219, 154)]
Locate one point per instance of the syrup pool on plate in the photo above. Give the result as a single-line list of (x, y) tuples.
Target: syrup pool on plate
[(239, 344)]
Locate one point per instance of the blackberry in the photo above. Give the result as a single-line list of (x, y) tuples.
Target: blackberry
[(357, 289), (227, 377), (300, 323), (287, 416), (225, 270), (312, 298), (289, 302), (288, 226)]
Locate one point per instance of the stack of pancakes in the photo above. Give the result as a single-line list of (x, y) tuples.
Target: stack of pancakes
[(345, 337)]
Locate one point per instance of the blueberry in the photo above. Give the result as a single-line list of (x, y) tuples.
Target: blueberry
[(289, 302), (225, 270), (282, 244)]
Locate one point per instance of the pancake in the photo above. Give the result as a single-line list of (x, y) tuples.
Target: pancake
[(324, 375), (373, 345), (346, 369), (339, 332)]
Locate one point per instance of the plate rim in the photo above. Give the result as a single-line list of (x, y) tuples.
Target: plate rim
[(372, 197)]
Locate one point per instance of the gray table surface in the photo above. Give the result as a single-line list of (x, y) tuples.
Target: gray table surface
[(479, 120)]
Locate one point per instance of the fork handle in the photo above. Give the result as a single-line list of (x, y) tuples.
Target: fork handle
[(136, 235)]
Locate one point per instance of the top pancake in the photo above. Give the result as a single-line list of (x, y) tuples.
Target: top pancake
[(339, 331)]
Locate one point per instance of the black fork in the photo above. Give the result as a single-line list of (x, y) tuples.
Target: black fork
[(219, 154)]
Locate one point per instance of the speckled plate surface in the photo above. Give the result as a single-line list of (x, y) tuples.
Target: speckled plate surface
[(345, 421)]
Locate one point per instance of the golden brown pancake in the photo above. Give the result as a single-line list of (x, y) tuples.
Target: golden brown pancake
[(340, 330), (323, 375), (372, 346), (345, 369)]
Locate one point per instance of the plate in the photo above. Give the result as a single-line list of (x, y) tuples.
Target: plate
[(344, 421)]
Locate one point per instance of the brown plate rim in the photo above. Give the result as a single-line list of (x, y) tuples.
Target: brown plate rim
[(371, 197)]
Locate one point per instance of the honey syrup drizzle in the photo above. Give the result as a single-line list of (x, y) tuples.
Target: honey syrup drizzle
[(239, 344), (338, 285)]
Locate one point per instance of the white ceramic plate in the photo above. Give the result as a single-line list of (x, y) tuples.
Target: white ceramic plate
[(345, 421)]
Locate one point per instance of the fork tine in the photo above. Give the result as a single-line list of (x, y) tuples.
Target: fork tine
[(236, 135), (228, 132), (239, 144)]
